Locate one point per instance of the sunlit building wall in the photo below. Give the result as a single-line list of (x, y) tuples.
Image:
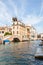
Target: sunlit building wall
[(18, 28), (33, 33)]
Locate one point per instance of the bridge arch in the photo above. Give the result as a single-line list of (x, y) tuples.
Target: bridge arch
[(16, 40)]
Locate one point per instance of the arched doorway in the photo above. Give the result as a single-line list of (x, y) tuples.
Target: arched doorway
[(16, 40)]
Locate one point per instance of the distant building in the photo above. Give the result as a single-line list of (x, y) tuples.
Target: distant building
[(2, 31), (41, 35), (27, 33), (33, 33)]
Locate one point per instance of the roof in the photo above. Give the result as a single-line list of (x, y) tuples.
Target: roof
[(2, 28)]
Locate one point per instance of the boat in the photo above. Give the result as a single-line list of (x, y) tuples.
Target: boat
[(6, 41), (39, 52)]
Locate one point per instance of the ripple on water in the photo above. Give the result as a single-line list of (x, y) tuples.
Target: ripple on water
[(19, 54)]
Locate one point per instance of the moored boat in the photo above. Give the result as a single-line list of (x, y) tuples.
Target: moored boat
[(6, 41), (39, 52)]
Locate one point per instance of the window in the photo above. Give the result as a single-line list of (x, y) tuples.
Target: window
[(33, 36), (2, 31), (17, 32), (23, 36), (39, 36), (28, 30)]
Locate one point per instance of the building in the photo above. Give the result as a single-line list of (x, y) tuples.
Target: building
[(19, 30), (33, 33), (27, 33), (40, 36), (2, 31), (5, 29)]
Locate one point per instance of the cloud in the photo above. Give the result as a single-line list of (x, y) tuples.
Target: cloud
[(14, 7), (31, 19), (4, 15), (21, 13), (18, 7), (41, 9)]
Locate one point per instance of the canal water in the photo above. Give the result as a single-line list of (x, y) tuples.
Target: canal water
[(21, 53)]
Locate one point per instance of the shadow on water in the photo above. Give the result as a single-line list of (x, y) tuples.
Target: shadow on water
[(41, 58), (41, 44)]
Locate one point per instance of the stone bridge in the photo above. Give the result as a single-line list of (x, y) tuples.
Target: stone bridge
[(11, 37)]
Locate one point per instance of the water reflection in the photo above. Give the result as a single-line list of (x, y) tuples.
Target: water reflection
[(21, 53), (41, 44)]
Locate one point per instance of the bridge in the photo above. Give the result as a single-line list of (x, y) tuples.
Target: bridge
[(40, 38), (13, 37)]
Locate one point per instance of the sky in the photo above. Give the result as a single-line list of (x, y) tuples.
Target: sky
[(29, 12)]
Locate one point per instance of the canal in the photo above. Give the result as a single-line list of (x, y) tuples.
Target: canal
[(21, 53)]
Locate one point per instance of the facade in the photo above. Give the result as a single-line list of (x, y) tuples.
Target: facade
[(41, 35), (22, 31), (33, 33), (18, 29), (2, 31), (5, 29), (27, 33)]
